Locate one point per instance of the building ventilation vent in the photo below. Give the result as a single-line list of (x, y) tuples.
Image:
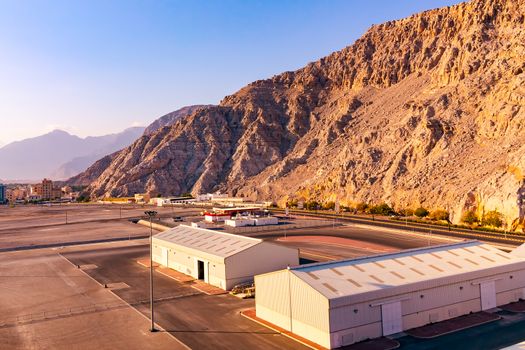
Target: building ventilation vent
[(314, 276), (330, 287), (377, 279), (472, 262), (397, 275)]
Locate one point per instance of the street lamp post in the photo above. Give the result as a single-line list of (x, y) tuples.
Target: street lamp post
[(151, 214)]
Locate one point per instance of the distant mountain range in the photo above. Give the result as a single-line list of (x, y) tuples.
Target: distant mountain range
[(58, 155)]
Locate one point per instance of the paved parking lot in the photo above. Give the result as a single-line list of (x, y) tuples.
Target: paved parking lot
[(201, 321), (25, 216), (30, 226), (48, 303)]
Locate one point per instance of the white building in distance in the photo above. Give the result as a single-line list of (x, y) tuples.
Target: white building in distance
[(343, 302), (220, 259)]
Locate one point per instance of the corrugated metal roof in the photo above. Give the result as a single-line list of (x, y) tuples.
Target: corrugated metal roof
[(211, 242), (356, 276)]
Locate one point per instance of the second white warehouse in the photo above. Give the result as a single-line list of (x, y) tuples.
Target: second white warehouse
[(342, 302)]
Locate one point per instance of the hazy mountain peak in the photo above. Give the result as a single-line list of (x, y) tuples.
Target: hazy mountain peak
[(59, 132)]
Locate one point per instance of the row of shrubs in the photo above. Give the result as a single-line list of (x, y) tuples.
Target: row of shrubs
[(492, 218)]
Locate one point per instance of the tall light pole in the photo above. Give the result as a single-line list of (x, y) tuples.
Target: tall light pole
[(151, 214)]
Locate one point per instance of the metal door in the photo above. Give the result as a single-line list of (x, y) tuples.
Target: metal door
[(391, 317), (488, 295), (206, 272), (164, 256)]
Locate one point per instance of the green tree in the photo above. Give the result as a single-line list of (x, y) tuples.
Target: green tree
[(381, 209), (329, 205), (361, 207), (311, 205), (439, 214), (292, 203), (492, 218), (420, 212), (406, 212), (469, 217), (345, 208)]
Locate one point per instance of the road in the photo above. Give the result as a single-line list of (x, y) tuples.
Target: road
[(370, 234), (37, 216), (30, 227), (510, 239)]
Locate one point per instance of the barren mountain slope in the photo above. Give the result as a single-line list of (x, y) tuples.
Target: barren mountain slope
[(170, 118), (425, 110)]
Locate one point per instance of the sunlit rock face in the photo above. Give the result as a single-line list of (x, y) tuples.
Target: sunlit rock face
[(428, 110)]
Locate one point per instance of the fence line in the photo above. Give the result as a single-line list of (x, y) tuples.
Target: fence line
[(249, 229), (81, 310)]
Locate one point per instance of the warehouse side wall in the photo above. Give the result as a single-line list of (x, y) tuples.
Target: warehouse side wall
[(356, 322), (288, 302), (259, 259), (272, 298), (310, 312)]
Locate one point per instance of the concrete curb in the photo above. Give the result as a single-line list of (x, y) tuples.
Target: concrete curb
[(68, 244), (155, 226), (282, 333)]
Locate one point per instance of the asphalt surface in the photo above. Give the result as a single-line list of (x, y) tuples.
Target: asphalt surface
[(48, 303), (70, 234), (198, 320), (396, 240), (512, 239), (24, 217), (30, 227), (213, 322), (490, 336)]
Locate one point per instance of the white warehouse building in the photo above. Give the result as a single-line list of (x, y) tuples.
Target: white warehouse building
[(343, 302), (220, 259)]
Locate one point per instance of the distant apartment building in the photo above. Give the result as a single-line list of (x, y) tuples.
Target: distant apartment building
[(46, 191), (16, 194), (3, 198)]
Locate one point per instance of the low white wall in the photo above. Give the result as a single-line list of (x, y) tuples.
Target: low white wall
[(239, 222), (269, 220)]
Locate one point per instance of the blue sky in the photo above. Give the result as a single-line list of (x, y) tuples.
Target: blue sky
[(95, 67)]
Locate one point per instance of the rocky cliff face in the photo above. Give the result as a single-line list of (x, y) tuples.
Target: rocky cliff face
[(428, 110), (170, 118)]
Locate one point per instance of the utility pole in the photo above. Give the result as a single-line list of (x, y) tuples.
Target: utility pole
[(151, 214)]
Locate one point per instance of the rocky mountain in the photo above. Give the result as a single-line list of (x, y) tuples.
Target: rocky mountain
[(170, 118), (59, 155), (427, 110)]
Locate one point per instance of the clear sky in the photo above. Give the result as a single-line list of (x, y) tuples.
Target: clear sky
[(99, 66)]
